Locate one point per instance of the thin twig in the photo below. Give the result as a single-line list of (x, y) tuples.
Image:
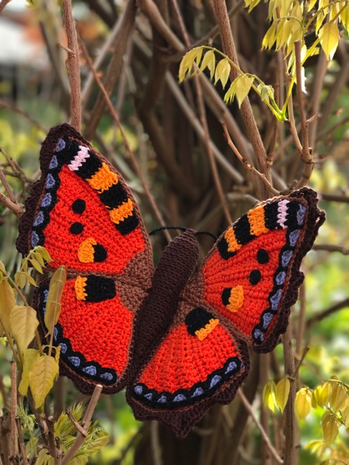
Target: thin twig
[(126, 144), (3, 3), (259, 426), (290, 420), (332, 248), (77, 425), (334, 198), (14, 443), (329, 311), (244, 161), (12, 107), (73, 65), (21, 442), (80, 438), (246, 109), (203, 119), (306, 153)]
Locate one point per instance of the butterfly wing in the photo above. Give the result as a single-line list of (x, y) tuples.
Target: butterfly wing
[(197, 364), (83, 213), (242, 293), (251, 276)]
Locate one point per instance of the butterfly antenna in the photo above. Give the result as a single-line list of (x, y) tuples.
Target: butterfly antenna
[(199, 233), (162, 228)]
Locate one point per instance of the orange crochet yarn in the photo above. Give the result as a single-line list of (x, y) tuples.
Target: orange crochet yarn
[(175, 338)]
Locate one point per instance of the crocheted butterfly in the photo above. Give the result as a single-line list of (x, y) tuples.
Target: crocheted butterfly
[(177, 339)]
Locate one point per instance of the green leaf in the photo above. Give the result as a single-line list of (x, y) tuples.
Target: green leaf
[(329, 38), (303, 403), (41, 378), (222, 72), (282, 392), (53, 305), (187, 62), (30, 356), (266, 92), (23, 323), (329, 427), (7, 302), (209, 61)]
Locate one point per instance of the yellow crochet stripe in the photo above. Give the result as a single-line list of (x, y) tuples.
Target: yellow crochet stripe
[(79, 285), (86, 251), (202, 333), (120, 213), (233, 245), (103, 179), (236, 299), (256, 218)]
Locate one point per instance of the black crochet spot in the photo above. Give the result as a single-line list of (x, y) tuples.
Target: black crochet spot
[(255, 277), (76, 228)]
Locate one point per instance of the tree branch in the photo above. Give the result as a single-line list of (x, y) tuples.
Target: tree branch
[(73, 65), (80, 438), (329, 311)]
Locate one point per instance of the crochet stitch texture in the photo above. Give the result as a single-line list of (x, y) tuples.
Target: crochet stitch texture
[(176, 339)]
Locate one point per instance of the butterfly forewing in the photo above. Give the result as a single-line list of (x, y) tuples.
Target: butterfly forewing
[(252, 274), (83, 213)]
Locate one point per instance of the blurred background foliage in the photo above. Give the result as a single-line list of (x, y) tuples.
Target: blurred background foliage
[(34, 95)]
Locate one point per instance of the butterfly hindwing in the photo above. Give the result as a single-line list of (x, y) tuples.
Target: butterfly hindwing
[(251, 276), (83, 213), (197, 364)]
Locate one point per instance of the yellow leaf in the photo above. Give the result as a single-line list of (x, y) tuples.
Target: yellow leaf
[(30, 356), (222, 72), (329, 427), (2, 267), (7, 302), (39, 258), (43, 252), (41, 378), (311, 4), (282, 393), (269, 395), (303, 403), (243, 87), (23, 323), (322, 393), (266, 92), (187, 62), (284, 7), (338, 397), (36, 265), (209, 61), (344, 16), (53, 305), (251, 4), (329, 38), (270, 37), (317, 446)]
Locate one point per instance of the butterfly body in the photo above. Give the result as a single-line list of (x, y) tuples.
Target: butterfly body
[(176, 337)]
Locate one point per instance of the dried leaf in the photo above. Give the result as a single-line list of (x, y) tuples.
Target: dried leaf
[(41, 378), (282, 393), (23, 323), (53, 305)]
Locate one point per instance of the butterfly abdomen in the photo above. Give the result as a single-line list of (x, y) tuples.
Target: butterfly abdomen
[(175, 267)]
